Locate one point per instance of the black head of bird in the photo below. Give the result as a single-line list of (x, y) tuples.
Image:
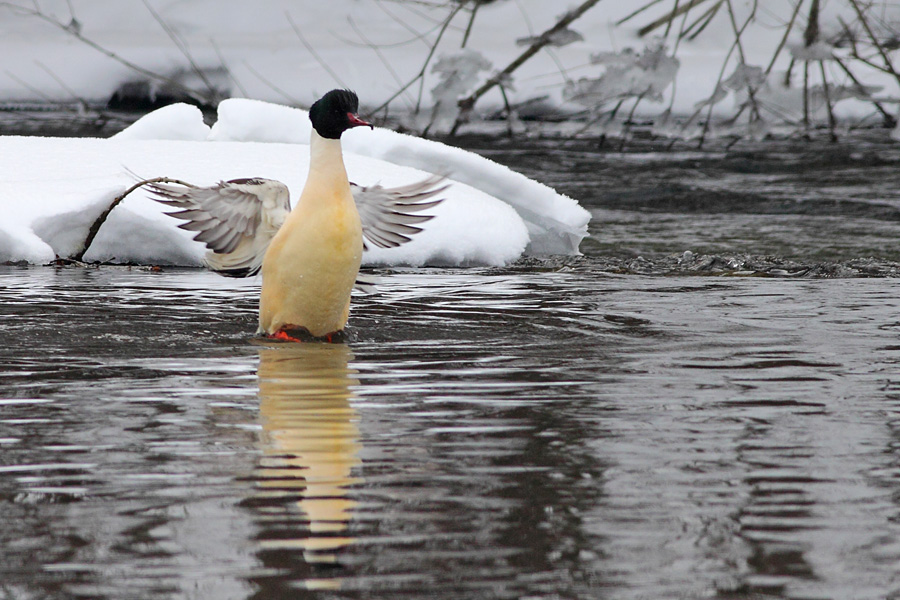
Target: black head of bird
[(334, 113)]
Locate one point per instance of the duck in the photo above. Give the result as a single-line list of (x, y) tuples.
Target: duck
[(309, 255)]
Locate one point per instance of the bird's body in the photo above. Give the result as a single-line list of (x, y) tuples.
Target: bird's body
[(313, 261), (309, 256)]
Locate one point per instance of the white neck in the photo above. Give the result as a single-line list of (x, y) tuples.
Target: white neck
[(326, 160)]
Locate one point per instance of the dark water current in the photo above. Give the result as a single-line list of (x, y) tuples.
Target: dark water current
[(705, 405)]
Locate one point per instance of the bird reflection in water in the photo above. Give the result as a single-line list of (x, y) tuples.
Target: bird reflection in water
[(310, 445)]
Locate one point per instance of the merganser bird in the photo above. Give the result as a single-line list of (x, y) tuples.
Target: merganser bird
[(309, 256)]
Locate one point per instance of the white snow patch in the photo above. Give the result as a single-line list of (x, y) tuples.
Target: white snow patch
[(255, 121), (174, 122), (56, 187)]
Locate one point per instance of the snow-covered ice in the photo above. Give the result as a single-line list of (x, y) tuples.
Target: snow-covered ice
[(54, 188)]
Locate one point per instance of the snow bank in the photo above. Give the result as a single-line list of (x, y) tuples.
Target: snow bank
[(55, 188)]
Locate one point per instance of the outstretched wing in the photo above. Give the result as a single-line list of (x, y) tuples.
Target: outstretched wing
[(235, 219), (388, 214)]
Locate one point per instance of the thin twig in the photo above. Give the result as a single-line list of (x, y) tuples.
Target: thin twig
[(888, 119), (591, 121), (182, 46), (509, 112), (735, 45), (228, 71), (559, 66), (470, 24), (669, 24), (101, 219), (869, 63), (312, 50), (784, 38), (431, 52), (422, 71), (715, 89), (832, 125), (74, 32), (668, 111), (30, 87), (810, 35), (647, 6), (668, 17), (751, 93), (806, 97), (407, 26), (81, 101), (466, 104), (884, 55), (376, 49), (788, 73), (629, 122), (291, 100), (702, 22)]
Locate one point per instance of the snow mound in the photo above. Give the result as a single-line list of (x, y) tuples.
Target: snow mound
[(173, 122), (56, 188), (256, 121)]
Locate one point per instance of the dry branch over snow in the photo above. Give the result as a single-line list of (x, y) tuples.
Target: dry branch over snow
[(684, 68)]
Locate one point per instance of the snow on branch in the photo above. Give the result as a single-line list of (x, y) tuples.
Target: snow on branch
[(545, 39)]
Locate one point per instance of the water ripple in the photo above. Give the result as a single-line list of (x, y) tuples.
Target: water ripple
[(520, 432)]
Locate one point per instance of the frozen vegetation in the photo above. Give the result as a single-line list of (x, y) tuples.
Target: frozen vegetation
[(750, 67)]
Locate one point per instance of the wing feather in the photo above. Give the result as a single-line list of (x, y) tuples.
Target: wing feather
[(387, 214), (235, 219)]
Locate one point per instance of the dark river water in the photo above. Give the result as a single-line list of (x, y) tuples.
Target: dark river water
[(704, 405)]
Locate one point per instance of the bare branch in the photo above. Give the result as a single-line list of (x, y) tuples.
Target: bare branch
[(888, 119), (647, 6), (421, 74), (470, 24), (806, 97), (888, 65), (291, 100), (407, 26), (101, 219), (831, 122), (376, 50), (81, 101), (466, 104), (702, 22), (29, 87), (669, 24), (738, 32), (182, 46), (559, 66), (312, 50), (811, 34), (784, 38), (76, 33), (225, 66), (706, 124), (668, 17)]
